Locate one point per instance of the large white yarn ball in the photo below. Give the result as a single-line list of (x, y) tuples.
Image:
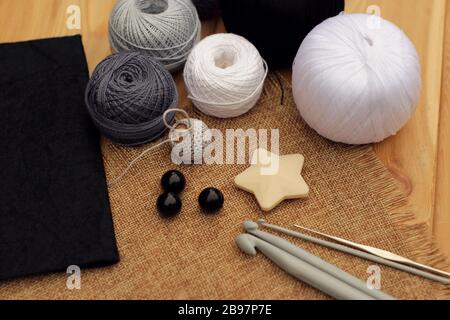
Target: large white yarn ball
[(356, 79), (225, 75), (167, 30)]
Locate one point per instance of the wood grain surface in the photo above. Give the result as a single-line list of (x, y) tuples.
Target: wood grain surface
[(419, 156)]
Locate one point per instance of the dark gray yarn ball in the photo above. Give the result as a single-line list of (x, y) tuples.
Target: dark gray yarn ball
[(127, 96), (207, 9)]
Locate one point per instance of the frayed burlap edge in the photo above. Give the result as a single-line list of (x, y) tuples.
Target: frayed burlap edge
[(416, 233)]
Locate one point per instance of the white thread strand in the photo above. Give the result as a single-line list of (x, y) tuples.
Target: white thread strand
[(135, 160), (225, 75), (354, 82), (168, 36)]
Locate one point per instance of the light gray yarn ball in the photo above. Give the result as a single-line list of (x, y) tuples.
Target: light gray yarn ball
[(167, 30)]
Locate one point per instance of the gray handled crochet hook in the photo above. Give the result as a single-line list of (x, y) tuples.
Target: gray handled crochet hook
[(300, 269), (357, 253), (379, 252), (252, 228)]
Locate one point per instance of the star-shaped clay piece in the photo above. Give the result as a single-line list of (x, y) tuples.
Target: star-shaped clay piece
[(273, 179)]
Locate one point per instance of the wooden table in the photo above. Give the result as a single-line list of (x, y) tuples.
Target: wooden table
[(419, 156)]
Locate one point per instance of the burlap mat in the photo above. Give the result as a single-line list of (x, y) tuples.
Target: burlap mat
[(195, 256)]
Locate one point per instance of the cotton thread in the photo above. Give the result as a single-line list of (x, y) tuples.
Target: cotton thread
[(224, 75), (354, 81), (187, 133), (167, 30), (127, 97), (193, 144)]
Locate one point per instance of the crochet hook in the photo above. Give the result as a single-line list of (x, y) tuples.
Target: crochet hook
[(357, 253), (379, 252), (252, 228), (300, 269)]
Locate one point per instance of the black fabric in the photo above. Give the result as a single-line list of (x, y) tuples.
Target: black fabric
[(54, 206), (277, 27)]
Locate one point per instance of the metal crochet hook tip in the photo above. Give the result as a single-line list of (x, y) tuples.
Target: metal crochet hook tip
[(332, 244), (378, 252)]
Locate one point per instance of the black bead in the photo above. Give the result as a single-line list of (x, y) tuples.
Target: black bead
[(169, 205), (211, 200), (173, 181)]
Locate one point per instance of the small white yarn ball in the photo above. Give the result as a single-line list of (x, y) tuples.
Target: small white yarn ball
[(167, 30), (356, 79), (225, 75), (200, 137)]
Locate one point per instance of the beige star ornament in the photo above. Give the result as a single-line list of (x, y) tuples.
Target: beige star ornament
[(273, 179)]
